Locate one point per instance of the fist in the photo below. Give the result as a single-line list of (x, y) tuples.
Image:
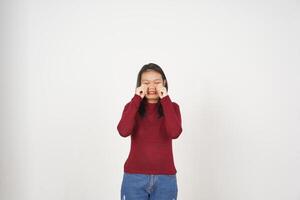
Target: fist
[(161, 90), (141, 91)]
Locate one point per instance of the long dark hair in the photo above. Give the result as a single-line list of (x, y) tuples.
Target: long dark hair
[(145, 68)]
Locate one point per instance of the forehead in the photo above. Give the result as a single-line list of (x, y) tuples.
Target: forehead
[(151, 76)]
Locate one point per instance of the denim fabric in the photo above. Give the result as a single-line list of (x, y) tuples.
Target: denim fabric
[(149, 187)]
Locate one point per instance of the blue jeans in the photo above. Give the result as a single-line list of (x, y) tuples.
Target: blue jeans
[(149, 187)]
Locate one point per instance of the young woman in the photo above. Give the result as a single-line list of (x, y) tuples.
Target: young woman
[(151, 120)]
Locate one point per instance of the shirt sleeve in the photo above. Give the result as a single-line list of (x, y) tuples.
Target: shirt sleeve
[(127, 121), (172, 119)]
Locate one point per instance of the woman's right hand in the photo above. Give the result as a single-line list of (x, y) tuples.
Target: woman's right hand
[(142, 90)]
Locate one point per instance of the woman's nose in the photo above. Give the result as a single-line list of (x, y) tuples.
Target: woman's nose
[(152, 86)]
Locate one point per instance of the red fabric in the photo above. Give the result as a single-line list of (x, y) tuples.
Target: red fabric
[(151, 138)]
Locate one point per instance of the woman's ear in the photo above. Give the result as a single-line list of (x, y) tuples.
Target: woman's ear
[(165, 82)]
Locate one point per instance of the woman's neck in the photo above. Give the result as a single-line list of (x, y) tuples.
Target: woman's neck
[(152, 101)]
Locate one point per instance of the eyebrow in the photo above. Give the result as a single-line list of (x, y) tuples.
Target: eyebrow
[(153, 80)]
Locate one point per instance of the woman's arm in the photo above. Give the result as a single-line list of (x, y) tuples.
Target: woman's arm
[(172, 117), (126, 124)]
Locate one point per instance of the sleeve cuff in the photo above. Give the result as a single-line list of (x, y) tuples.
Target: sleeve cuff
[(165, 99), (136, 99)]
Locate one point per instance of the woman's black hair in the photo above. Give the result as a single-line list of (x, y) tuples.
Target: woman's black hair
[(145, 68)]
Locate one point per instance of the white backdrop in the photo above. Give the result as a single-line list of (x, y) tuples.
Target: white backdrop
[(69, 67)]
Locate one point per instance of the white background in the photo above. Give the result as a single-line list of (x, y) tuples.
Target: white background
[(69, 67)]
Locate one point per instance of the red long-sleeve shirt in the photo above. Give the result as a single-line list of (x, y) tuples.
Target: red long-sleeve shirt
[(151, 137)]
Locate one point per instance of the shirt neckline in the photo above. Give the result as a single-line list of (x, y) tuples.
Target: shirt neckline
[(152, 105)]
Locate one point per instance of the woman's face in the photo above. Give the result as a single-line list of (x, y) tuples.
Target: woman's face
[(152, 79)]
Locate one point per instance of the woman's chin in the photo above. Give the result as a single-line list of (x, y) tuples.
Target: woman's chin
[(152, 96)]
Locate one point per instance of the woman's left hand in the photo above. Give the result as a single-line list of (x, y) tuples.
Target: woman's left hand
[(162, 91)]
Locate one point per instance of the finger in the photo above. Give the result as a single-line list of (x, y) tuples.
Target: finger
[(146, 87), (143, 86)]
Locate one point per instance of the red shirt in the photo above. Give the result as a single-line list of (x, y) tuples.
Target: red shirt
[(151, 137)]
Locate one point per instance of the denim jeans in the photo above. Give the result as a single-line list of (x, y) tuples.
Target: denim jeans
[(149, 187)]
